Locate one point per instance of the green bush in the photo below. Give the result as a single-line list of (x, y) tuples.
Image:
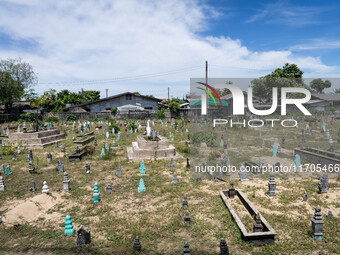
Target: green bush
[(133, 125), (26, 117), (160, 114), (114, 125), (71, 117), (52, 119), (114, 110), (206, 137), (9, 149), (183, 148), (99, 119)]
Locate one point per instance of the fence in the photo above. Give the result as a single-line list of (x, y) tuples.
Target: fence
[(141, 115), (8, 117)]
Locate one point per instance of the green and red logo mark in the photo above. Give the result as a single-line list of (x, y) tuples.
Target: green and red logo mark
[(209, 93)]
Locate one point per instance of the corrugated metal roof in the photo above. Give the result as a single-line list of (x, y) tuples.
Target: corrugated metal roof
[(328, 97), (119, 95)]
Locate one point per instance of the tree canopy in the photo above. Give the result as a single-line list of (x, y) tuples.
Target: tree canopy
[(318, 85), (56, 102), (287, 76), (16, 76)]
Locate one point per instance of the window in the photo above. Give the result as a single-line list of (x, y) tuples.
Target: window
[(128, 97)]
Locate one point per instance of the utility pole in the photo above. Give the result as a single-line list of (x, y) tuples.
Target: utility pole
[(83, 94), (107, 92), (206, 72), (206, 82), (168, 94)]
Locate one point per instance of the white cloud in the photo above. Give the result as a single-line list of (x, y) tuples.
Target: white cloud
[(287, 14), (98, 40), (317, 44)]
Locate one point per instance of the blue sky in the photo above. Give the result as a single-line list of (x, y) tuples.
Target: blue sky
[(148, 46), (308, 28)]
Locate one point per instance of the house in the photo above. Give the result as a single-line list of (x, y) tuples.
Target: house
[(124, 99), (324, 102)]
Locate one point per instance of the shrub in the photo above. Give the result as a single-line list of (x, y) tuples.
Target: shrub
[(200, 137), (26, 117), (114, 110), (133, 125), (160, 114), (52, 119), (99, 119), (114, 125), (9, 149), (183, 148), (71, 117)]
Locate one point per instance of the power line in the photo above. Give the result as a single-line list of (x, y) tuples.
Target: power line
[(120, 79)]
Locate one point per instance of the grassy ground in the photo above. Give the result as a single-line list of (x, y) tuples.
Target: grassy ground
[(156, 215)]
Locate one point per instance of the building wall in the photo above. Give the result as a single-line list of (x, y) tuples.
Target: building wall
[(320, 106), (123, 100)]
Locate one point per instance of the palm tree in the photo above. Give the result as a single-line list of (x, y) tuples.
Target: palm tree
[(336, 90)]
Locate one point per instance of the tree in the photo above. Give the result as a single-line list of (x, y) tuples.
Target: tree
[(48, 99), (225, 91), (16, 77), (318, 85), (174, 106), (92, 95), (336, 90), (10, 90), (287, 76), (288, 71), (66, 97)]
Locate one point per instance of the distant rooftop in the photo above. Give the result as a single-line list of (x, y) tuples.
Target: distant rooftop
[(328, 97)]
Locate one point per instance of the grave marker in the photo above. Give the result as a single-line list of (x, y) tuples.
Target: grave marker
[(258, 227), (32, 186), (271, 186), (136, 244), (60, 166), (8, 170), (49, 157), (2, 184), (66, 182), (174, 179), (96, 194), (317, 224), (243, 174), (323, 184), (305, 197), (31, 168), (119, 170), (84, 236), (172, 164), (45, 188), (185, 202), (224, 247), (141, 187), (69, 230), (186, 219), (142, 168), (186, 249), (108, 189)]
